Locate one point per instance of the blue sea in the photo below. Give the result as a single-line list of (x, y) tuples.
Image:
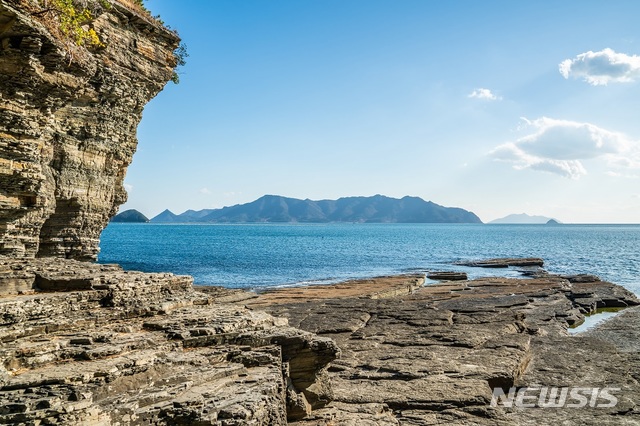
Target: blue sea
[(255, 256)]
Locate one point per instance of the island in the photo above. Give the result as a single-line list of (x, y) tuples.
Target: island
[(130, 216), (521, 218), (374, 209)]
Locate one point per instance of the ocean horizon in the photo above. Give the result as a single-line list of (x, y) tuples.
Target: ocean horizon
[(262, 255)]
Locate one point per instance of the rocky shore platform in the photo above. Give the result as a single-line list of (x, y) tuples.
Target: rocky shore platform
[(435, 355), (87, 344)]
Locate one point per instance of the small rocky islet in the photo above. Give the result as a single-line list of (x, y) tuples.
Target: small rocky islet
[(89, 344)]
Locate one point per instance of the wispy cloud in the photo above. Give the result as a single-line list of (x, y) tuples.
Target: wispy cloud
[(205, 191), (486, 94), (622, 175), (558, 146), (128, 187), (603, 67)]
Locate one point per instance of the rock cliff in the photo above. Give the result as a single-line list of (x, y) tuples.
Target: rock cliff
[(68, 119)]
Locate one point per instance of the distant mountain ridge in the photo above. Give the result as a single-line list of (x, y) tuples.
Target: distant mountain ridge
[(522, 218), (278, 209)]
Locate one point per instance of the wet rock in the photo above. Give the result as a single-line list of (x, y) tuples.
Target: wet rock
[(447, 276), (504, 262)]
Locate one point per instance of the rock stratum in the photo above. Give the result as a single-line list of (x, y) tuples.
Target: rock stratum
[(68, 119), (433, 355), (95, 345), (86, 344)]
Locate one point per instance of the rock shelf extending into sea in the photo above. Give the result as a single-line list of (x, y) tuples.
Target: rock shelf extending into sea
[(434, 356), (504, 262), (92, 344)]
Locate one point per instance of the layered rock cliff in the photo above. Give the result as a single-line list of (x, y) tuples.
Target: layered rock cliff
[(68, 119)]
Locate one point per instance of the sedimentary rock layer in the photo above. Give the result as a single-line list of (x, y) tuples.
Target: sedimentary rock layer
[(68, 119), (92, 344), (373, 288), (435, 356), (504, 262)]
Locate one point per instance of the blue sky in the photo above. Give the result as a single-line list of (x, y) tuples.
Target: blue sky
[(497, 107)]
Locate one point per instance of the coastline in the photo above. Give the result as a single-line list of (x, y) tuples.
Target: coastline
[(259, 255), (93, 344), (102, 344)]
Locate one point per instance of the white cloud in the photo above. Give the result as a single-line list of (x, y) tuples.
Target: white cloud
[(486, 94), (127, 187), (622, 175), (558, 146), (603, 67), (205, 191)]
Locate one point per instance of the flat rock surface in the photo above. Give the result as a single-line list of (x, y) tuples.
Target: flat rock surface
[(372, 288), (435, 356), (93, 344), (447, 275)]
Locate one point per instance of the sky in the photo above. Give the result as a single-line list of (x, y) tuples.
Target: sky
[(497, 107)]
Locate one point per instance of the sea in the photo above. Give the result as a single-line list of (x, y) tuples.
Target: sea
[(267, 255)]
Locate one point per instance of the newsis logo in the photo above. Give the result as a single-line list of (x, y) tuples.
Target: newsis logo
[(555, 397)]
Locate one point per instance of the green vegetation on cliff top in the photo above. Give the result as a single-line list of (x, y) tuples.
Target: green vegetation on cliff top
[(72, 20)]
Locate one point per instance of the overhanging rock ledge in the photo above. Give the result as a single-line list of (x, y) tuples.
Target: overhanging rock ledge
[(68, 119)]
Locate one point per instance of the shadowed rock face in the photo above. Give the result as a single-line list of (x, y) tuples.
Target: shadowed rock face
[(68, 120)]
